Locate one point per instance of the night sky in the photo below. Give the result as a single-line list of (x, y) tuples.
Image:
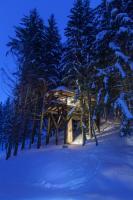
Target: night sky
[(11, 11)]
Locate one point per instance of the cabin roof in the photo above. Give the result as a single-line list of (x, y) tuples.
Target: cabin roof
[(63, 91)]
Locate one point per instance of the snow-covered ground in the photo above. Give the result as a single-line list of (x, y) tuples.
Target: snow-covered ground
[(104, 172)]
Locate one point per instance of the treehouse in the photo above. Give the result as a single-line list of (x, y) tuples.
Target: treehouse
[(62, 116), (63, 113)]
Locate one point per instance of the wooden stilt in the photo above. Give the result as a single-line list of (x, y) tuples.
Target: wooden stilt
[(56, 131), (70, 131), (41, 126), (48, 131), (57, 134)]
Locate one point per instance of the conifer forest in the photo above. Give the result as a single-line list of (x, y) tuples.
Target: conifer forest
[(95, 62), (64, 89)]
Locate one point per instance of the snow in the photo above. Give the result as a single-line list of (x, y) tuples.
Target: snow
[(122, 104), (114, 12), (71, 111), (73, 173), (127, 20), (101, 72), (110, 1), (119, 54), (61, 88), (93, 85), (99, 96), (106, 98), (101, 35), (123, 30), (124, 17), (119, 67), (131, 65), (105, 80), (122, 56), (114, 46)]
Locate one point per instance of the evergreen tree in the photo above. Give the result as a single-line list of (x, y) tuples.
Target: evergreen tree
[(1, 125), (7, 126), (113, 51), (121, 46), (80, 36), (73, 57), (38, 52), (28, 47), (53, 51), (78, 56), (128, 7)]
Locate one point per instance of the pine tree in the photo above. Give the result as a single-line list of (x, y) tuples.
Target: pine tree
[(38, 52), (128, 7), (113, 51), (80, 36), (102, 56), (73, 57), (1, 125), (78, 55), (28, 47), (53, 51), (7, 127), (121, 46)]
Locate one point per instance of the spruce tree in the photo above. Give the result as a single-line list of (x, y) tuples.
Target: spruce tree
[(73, 57), (113, 51), (1, 126), (80, 35), (53, 52), (29, 48), (7, 127), (121, 46), (78, 55)]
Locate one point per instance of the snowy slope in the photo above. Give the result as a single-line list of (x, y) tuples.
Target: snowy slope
[(74, 173)]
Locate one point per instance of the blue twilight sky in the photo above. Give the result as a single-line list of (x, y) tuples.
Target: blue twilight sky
[(11, 12)]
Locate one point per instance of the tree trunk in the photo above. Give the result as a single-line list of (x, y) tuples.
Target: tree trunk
[(39, 134), (16, 149), (90, 117), (65, 135), (82, 121), (39, 141), (9, 150), (94, 135), (33, 133), (98, 121), (24, 135), (48, 132), (56, 136)]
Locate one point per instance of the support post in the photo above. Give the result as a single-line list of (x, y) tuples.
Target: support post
[(48, 131), (70, 131)]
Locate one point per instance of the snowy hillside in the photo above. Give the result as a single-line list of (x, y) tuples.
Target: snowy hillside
[(73, 173)]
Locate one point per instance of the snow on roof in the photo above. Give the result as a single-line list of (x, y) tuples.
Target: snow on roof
[(62, 89)]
